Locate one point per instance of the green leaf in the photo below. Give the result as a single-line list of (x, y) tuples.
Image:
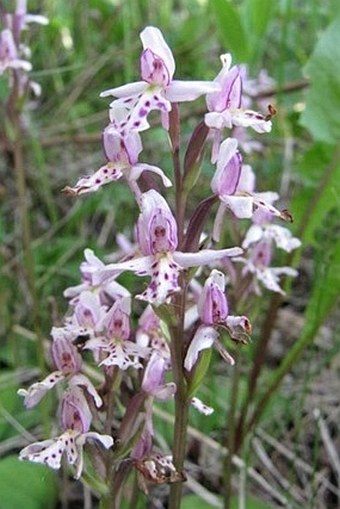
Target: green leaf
[(258, 14), (321, 116), (200, 371), (230, 29), (319, 168), (26, 485)]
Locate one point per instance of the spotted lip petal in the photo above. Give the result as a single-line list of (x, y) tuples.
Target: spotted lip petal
[(38, 390), (164, 281)]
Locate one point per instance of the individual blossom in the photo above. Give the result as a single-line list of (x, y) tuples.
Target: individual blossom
[(150, 334), (263, 229), (153, 383), (87, 316), (234, 183), (76, 420), (257, 263), (157, 239), (68, 365), (121, 150), (225, 105), (158, 89), (213, 311), (110, 291), (114, 344)]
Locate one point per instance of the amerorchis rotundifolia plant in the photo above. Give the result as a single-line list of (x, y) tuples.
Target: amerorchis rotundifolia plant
[(186, 308)]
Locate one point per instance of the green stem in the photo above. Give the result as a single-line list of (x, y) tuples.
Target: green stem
[(181, 399), (230, 439)]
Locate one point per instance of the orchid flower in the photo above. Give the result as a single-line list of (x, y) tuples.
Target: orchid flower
[(76, 419), (121, 151), (158, 89), (263, 229), (149, 333), (234, 183), (225, 105), (68, 363), (157, 238), (213, 311), (258, 264), (91, 264), (115, 343)]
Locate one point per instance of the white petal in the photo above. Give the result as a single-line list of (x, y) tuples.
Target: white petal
[(203, 339), (201, 407), (228, 149), (138, 169), (179, 91), (254, 234), (128, 90), (241, 206), (38, 390), (204, 257), (105, 440), (80, 379)]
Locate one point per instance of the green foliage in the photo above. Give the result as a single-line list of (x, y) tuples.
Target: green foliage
[(319, 174), (321, 116), (26, 485), (230, 29), (199, 372)]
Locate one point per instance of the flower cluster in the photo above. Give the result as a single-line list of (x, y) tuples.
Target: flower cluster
[(173, 304)]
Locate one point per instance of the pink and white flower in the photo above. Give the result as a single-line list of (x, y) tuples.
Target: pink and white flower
[(68, 362), (157, 238), (234, 183), (225, 105), (121, 148), (158, 89), (213, 311), (76, 418), (114, 344)]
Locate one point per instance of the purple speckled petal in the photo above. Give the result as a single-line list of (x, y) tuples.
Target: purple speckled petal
[(110, 172), (153, 70), (152, 38), (38, 390), (212, 304), (75, 412), (164, 281), (156, 227)]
